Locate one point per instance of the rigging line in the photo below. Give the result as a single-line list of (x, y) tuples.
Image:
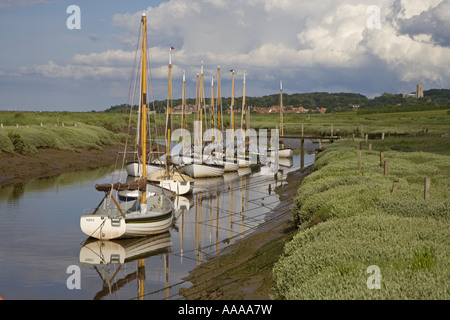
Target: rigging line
[(150, 89), (126, 110)]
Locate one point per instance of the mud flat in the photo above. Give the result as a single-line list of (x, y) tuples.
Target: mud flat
[(16, 168)]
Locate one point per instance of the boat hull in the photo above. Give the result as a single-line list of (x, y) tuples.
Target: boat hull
[(282, 153), (176, 182), (108, 223), (134, 168), (203, 170)]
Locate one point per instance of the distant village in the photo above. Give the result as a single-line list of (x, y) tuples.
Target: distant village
[(273, 109)]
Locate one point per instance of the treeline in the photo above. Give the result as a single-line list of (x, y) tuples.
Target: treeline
[(334, 102)]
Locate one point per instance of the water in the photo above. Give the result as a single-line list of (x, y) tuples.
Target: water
[(42, 240)]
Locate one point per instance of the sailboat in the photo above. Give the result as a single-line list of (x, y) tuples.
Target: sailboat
[(282, 151), (243, 160), (230, 163), (196, 166), (153, 213), (170, 178)]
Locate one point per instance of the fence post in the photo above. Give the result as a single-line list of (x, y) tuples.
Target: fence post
[(394, 186), (427, 188), (359, 159), (386, 168), (381, 159)]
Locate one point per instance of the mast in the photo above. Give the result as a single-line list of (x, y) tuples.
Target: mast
[(184, 107), (281, 112), (212, 103), (243, 124), (232, 103), (169, 111), (144, 103), (196, 100), (201, 105), (219, 102)]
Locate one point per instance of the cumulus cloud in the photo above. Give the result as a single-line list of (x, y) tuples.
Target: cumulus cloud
[(276, 39)]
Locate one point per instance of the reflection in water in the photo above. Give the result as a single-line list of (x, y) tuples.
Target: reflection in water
[(108, 257), (15, 191)]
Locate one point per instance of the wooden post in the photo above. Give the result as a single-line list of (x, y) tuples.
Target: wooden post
[(367, 137), (394, 186), (362, 131), (302, 129), (382, 136), (370, 148), (359, 159), (427, 188), (386, 168), (302, 153), (381, 159)]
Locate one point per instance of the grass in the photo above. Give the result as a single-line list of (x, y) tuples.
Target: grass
[(27, 140), (350, 219)]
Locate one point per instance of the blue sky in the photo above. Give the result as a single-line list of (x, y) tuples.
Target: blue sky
[(322, 45)]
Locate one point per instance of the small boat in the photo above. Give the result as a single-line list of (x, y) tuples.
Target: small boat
[(151, 215), (176, 182), (203, 170), (134, 168), (151, 212), (168, 177)]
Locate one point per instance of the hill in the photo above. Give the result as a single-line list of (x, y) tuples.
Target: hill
[(332, 101)]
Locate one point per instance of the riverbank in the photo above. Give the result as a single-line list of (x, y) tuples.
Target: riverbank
[(243, 270), (17, 168), (369, 227)]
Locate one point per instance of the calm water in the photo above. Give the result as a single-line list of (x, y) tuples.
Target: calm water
[(41, 236)]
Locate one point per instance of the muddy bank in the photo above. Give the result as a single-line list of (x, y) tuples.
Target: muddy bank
[(243, 270), (16, 168)]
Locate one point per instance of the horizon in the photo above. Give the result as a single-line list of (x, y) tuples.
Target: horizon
[(83, 61), (237, 98)]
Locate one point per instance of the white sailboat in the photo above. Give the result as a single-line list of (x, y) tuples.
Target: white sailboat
[(169, 178), (153, 213), (195, 165)]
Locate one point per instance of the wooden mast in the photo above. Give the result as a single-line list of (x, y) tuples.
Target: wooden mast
[(243, 124), (213, 120), (232, 103), (201, 106), (184, 108), (169, 111), (144, 103), (281, 113), (219, 102)]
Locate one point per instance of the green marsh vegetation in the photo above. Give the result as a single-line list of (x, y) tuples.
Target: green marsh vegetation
[(351, 219)]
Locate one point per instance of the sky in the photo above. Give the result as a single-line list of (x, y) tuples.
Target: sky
[(368, 47)]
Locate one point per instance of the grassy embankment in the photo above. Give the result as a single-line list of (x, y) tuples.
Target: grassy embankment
[(353, 218), (26, 132)]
